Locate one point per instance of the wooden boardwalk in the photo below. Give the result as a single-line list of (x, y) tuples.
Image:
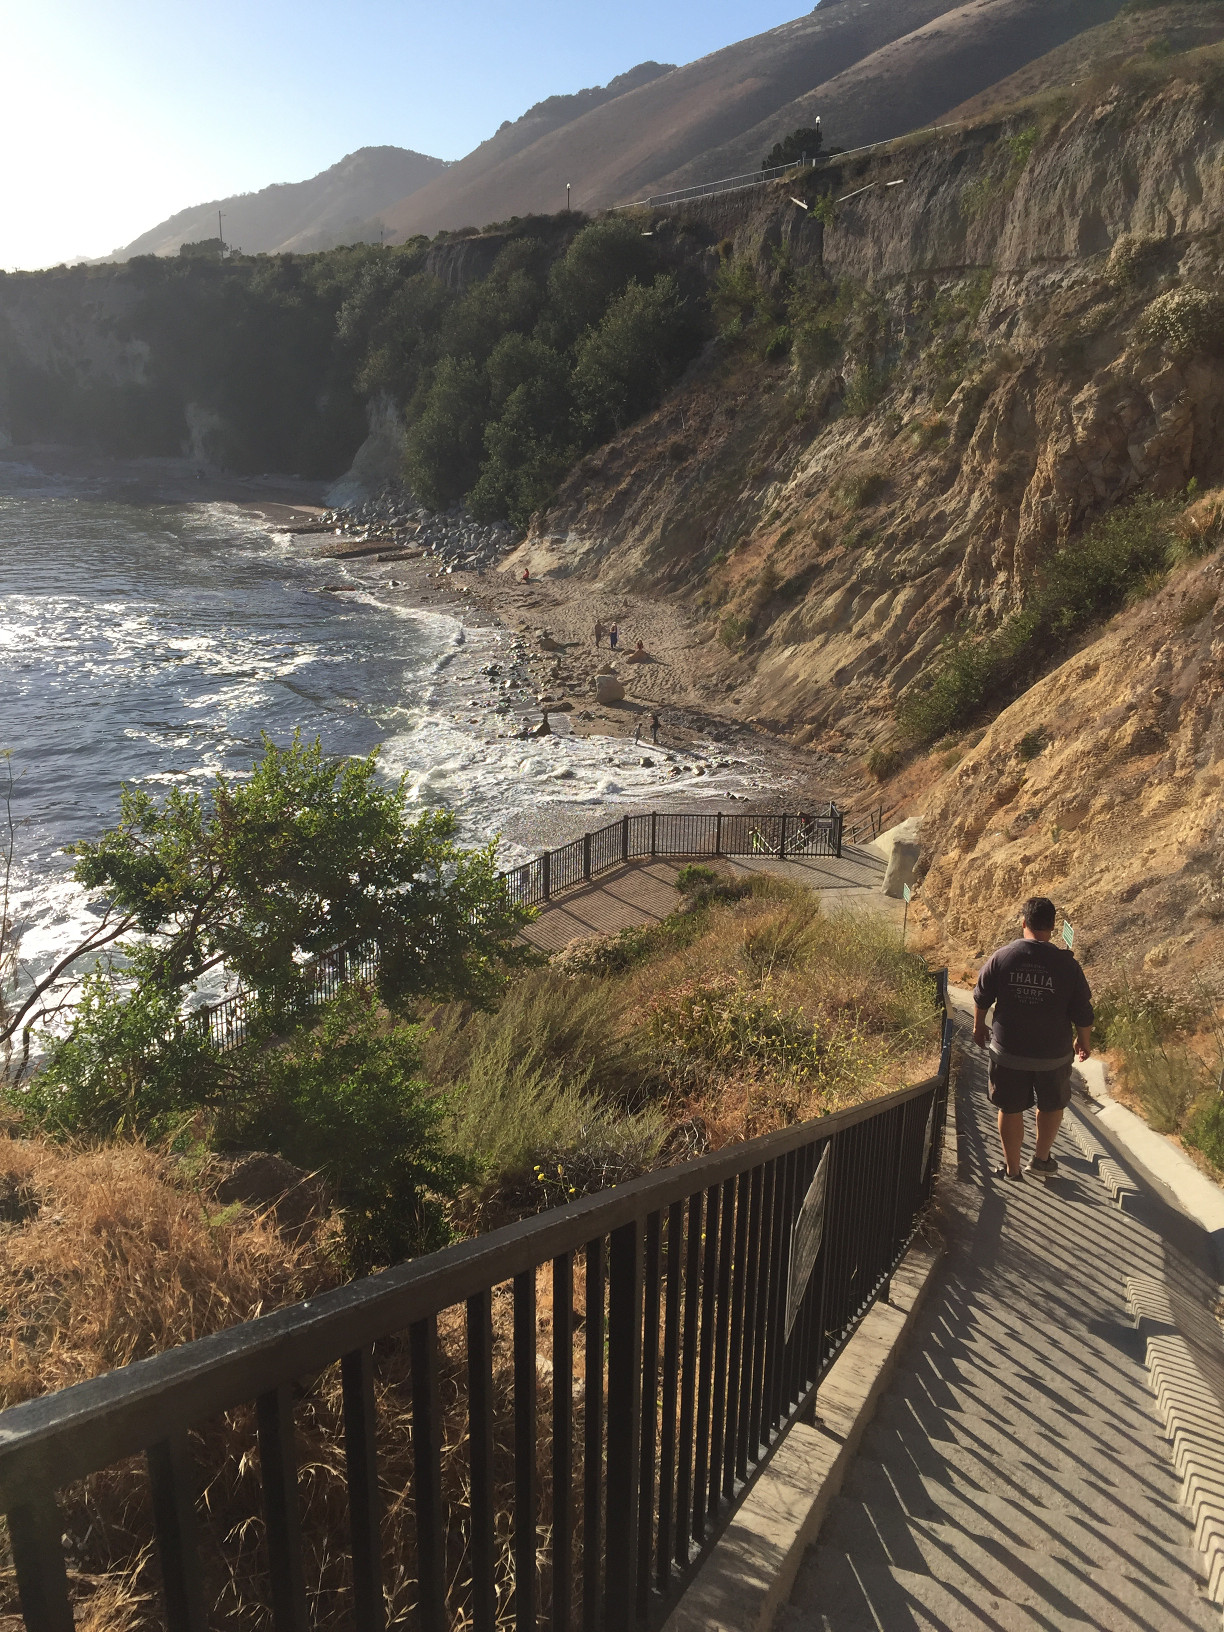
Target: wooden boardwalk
[(644, 892)]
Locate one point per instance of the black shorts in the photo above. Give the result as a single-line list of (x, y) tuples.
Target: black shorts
[(1013, 1090)]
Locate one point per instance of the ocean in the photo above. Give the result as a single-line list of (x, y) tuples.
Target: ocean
[(154, 644)]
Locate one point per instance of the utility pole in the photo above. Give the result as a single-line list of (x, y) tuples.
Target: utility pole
[(220, 234)]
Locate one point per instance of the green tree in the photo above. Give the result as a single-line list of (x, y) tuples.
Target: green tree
[(604, 258), (801, 144), (445, 443), (639, 348), (304, 855), (346, 1099)]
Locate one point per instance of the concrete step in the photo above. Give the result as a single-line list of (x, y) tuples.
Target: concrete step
[(1143, 1495), (832, 1594), (895, 1498), (992, 1569), (1077, 1420)]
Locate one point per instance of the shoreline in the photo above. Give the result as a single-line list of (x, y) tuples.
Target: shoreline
[(692, 732)]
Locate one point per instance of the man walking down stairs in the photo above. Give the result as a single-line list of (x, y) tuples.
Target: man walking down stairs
[(1017, 1473)]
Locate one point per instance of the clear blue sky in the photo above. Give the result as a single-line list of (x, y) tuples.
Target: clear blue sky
[(116, 113)]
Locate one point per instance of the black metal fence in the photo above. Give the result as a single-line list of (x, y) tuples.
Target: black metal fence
[(229, 1021), (633, 838), (694, 1313), (672, 835)]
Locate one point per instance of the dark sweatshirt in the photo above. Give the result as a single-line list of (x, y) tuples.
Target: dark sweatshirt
[(1039, 992)]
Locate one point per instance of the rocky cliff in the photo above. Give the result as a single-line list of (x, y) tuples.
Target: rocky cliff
[(912, 410)]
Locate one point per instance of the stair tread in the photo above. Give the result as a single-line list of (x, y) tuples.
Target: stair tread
[(895, 1497), (1133, 1492), (1005, 1560)]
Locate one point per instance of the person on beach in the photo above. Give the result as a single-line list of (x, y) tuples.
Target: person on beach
[(613, 636), (526, 575), (600, 632), (654, 729), (1039, 993), (637, 734)]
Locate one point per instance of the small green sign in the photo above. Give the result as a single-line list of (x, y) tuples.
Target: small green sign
[(1068, 935), (905, 892)]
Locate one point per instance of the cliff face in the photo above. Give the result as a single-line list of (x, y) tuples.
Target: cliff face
[(997, 386), (1104, 788)]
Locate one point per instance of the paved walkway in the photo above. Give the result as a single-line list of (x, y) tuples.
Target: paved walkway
[(1017, 1474), (644, 892)]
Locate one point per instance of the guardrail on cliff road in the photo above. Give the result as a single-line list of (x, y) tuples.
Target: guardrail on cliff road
[(712, 1298)]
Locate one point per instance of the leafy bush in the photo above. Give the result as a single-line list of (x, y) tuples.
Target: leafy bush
[(345, 1099), (801, 144), (1205, 1129), (863, 488), (719, 1023), (1184, 321), (866, 388), (129, 1065), (1124, 552)]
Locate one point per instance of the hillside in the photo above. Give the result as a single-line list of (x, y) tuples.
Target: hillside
[(622, 147), (866, 482), (339, 205), (908, 82), (1158, 30)]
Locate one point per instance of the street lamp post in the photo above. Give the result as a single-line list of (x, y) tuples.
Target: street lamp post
[(567, 198)]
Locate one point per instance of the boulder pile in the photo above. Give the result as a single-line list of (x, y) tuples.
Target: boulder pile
[(452, 537)]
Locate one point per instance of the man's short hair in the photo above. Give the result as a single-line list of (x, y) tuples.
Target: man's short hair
[(1039, 913)]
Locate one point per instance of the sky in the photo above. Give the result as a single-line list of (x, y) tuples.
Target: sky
[(117, 113)]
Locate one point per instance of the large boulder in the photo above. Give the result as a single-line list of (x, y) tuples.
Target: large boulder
[(900, 848), (268, 1183), (608, 688)]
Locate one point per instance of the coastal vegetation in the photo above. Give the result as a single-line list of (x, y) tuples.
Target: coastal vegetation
[(553, 335)]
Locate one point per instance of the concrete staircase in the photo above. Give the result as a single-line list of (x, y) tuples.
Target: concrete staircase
[(1017, 1474)]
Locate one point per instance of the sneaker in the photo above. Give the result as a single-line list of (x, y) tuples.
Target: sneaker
[(1001, 1172), (1044, 1167)]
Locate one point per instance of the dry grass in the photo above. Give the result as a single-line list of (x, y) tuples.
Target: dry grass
[(123, 1252), (126, 1256)]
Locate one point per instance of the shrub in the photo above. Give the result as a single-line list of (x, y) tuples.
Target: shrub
[(866, 388), (1184, 321), (694, 878), (801, 144), (884, 762), (719, 1023), (1205, 1129), (1032, 743), (864, 488), (346, 1099), (733, 631), (1123, 553)]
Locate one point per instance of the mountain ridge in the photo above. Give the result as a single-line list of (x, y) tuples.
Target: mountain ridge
[(297, 215)]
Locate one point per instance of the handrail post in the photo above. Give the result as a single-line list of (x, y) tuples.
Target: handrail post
[(782, 841), (654, 824), (586, 857), (624, 1411), (624, 839), (546, 875), (718, 834)]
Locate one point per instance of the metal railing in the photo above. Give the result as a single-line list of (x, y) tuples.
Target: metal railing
[(673, 835), (756, 178), (694, 1313), (633, 838), (727, 184), (228, 1022)]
